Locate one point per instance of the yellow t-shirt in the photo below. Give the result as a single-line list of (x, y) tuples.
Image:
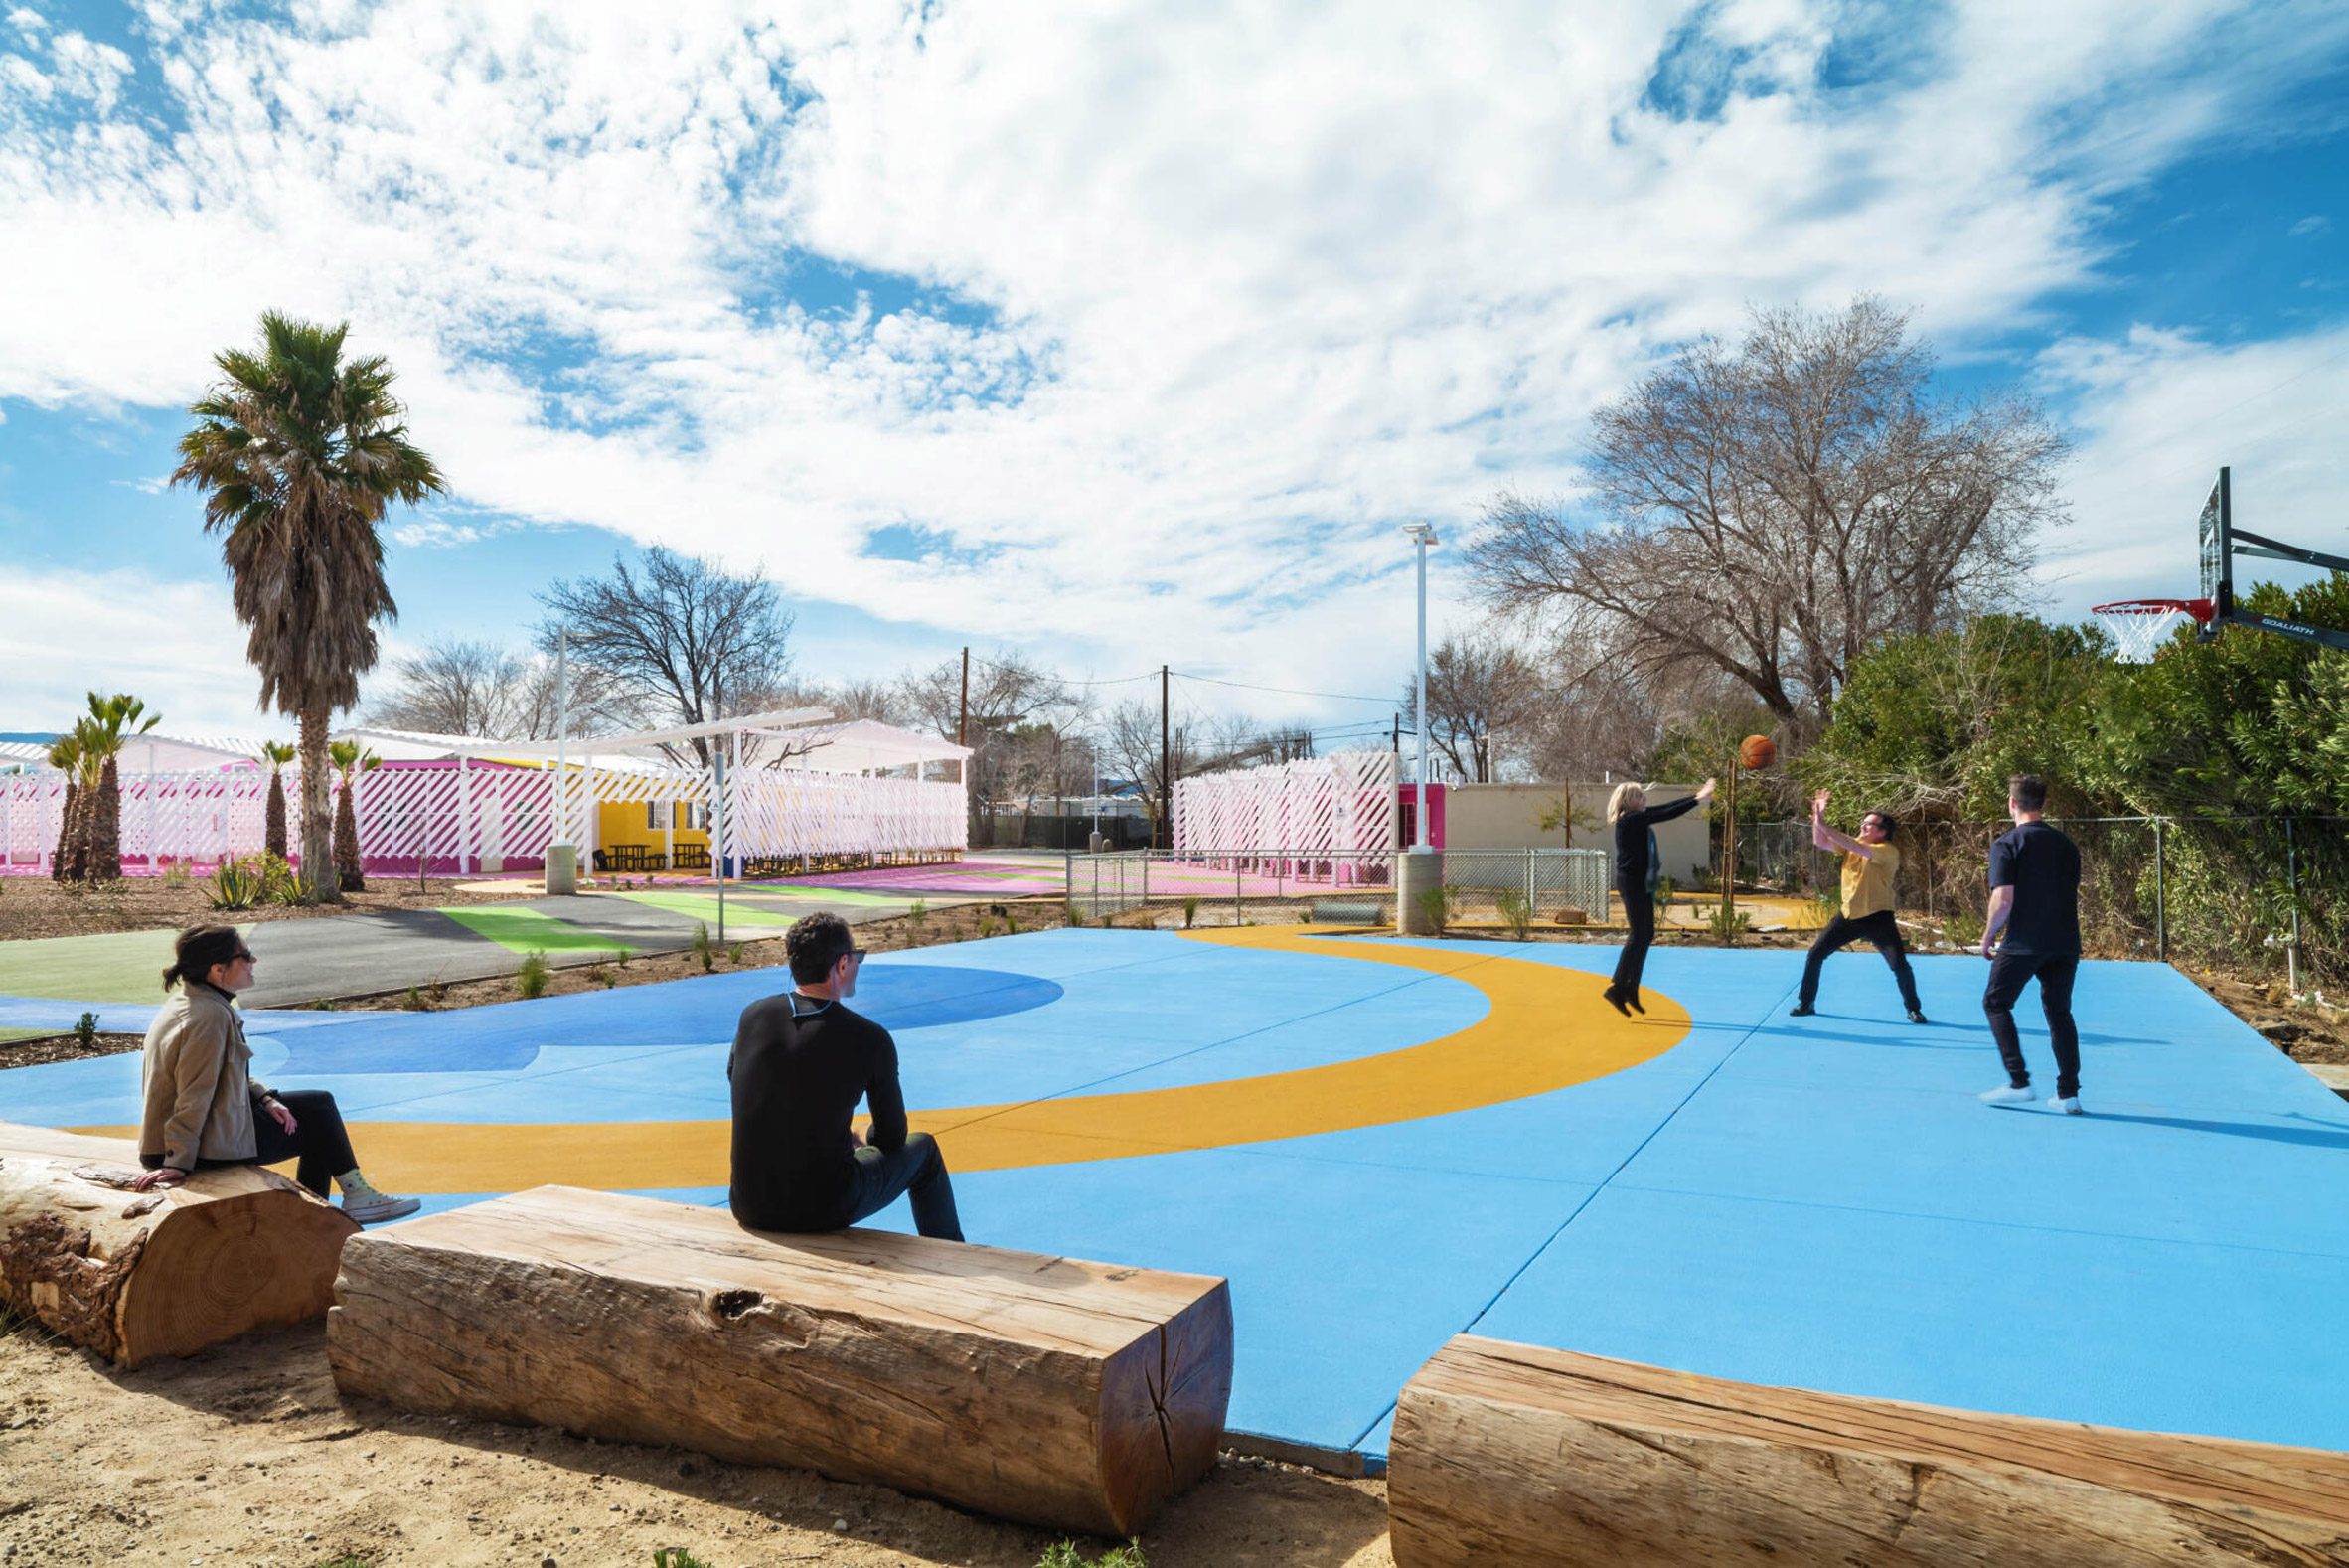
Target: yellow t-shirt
[(1867, 881)]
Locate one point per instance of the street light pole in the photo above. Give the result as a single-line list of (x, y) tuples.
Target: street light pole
[(1422, 536)]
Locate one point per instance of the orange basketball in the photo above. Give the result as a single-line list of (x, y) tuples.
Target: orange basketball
[(1756, 751)]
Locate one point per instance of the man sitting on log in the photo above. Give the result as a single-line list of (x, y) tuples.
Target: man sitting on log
[(801, 1063)]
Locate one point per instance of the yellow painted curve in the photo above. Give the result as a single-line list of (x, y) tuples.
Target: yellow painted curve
[(1546, 1028)]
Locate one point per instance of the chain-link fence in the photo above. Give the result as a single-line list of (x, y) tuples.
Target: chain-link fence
[(1483, 886), (2264, 893)]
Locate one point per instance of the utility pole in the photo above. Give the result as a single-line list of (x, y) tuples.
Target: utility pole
[(1165, 767), (962, 723)]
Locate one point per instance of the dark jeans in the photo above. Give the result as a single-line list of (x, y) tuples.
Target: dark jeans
[(917, 1168), (318, 1140), (1639, 910), (1879, 929), (2010, 973)]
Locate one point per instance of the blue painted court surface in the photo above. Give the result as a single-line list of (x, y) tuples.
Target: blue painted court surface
[(1817, 1201)]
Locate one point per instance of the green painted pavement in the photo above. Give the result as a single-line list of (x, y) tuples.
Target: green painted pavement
[(705, 909), (117, 966), (530, 931), (830, 895)]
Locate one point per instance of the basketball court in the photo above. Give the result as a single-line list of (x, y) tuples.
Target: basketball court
[(1383, 1143)]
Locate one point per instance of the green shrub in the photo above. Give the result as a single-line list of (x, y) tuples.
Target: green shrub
[(676, 1557), (1963, 927), (734, 954), (1665, 888), (701, 952), (85, 1031), (531, 978), (1516, 910), (1727, 924), (1437, 905), (1064, 1554), (414, 1001), (175, 875), (919, 913), (249, 879), (1191, 911)]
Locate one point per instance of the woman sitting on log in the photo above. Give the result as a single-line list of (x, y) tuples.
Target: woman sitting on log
[(203, 1109)]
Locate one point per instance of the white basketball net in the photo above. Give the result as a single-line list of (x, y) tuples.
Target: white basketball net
[(2138, 634)]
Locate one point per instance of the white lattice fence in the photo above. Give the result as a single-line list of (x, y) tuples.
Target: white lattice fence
[(786, 812), (1342, 805)]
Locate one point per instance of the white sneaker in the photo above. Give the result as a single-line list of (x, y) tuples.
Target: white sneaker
[(2069, 1107), (370, 1207), (2007, 1094)]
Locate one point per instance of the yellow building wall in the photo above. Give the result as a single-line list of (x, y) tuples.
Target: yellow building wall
[(618, 823)]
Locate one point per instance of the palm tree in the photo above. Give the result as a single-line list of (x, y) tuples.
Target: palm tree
[(66, 756), (113, 723), (277, 754), (351, 761), (299, 454)]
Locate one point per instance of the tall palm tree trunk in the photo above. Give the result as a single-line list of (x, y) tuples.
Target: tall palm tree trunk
[(65, 865), (349, 876), (273, 829), (318, 876), (105, 828)]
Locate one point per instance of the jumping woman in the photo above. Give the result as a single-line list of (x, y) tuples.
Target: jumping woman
[(1632, 817)]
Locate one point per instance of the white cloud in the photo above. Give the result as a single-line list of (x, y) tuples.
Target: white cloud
[(1243, 288), (2312, 225), (2160, 413), (177, 645)]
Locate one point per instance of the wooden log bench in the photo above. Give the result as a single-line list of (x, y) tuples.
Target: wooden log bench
[(138, 1275), (1073, 1396), (1511, 1454)]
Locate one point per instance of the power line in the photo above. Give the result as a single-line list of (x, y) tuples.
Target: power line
[(1288, 691)]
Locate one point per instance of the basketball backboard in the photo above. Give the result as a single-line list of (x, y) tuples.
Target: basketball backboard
[(2217, 555)]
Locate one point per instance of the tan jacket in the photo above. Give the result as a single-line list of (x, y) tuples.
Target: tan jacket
[(199, 1096)]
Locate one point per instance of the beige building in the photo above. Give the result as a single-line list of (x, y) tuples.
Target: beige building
[(1508, 817)]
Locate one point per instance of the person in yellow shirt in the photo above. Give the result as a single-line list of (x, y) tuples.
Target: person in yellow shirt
[(1870, 862)]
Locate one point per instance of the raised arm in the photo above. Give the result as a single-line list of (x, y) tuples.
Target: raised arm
[(1827, 838)]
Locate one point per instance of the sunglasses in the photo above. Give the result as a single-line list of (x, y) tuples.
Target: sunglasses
[(242, 956), (856, 953)]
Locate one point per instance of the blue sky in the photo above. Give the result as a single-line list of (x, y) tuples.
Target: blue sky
[(1116, 338)]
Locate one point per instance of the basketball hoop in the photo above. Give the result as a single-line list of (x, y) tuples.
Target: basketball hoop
[(2139, 627)]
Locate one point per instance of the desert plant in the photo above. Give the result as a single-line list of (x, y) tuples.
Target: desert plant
[(531, 978), (620, 957), (85, 1031), (244, 880), (602, 976), (1011, 925), (1064, 1554), (919, 913), (986, 925), (414, 1001), (1437, 906), (1727, 924), (1190, 910), (175, 873), (298, 453), (676, 1557), (277, 754), (701, 949), (350, 759), (1666, 887), (1963, 927), (734, 954), (1515, 911)]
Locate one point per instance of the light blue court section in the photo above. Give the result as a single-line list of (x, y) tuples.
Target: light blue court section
[(1818, 1202)]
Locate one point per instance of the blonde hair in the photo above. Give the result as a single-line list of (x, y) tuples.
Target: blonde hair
[(1624, 792)]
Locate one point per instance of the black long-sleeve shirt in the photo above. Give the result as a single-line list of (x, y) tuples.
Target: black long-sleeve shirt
[(796, 1083), (1631, 843)]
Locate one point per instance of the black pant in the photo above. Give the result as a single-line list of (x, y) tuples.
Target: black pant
[(1641, 912), (1879, 929), (318, 1140), (2010, 973), (917, 1168)]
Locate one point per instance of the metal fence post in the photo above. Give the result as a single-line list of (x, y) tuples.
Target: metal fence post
[(2161, 900), (1067, 887)]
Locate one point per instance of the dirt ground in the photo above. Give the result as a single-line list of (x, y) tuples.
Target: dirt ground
[(247, 1455), (35, 906)]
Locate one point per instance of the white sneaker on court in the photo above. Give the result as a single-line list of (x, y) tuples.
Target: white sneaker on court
[(2007, 1094), (370, 1207), (2068, 1106)]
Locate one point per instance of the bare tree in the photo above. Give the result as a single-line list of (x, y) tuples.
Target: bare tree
[(1130, 751), (457, 687), (683, 636), (1772, 508), (1477, 687), (1592, 722), (1006, 691)]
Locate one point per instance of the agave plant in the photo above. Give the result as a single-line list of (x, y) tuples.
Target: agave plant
[(277, 754), (351, 760)]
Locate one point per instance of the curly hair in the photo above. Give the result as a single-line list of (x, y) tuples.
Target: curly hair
[(815, 943)]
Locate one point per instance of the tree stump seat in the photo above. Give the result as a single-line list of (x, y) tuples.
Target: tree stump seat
[(1074, 1395), (137, 1275), (1512, 1454)]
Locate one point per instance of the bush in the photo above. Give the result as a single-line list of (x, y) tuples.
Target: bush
[(531, 978), (414, 1001), (701, 949), (919, 913), (1437, 905), (1064, 1554), (249, 879), (1727, 924), (1515, 911), (734, 954), (1191, 911), (175, 875), (85, 1031)]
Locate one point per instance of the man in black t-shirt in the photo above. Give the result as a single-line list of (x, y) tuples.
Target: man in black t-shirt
[(801, 1063), (2035, 901)]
